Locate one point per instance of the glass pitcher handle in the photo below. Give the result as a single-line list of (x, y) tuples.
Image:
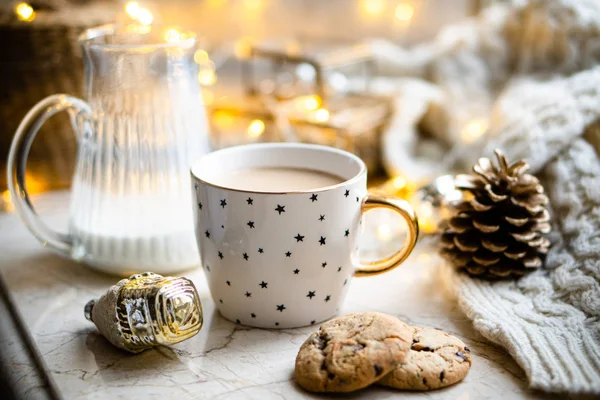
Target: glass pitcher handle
[(17, 161), (401, 207)]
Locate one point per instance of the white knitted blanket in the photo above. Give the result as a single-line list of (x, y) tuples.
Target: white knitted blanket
[(539, 65)]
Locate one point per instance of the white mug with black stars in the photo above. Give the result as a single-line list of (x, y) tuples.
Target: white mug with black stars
[(286, 259)]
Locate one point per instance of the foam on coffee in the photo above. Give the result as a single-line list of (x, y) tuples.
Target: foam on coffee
[(277, 179)]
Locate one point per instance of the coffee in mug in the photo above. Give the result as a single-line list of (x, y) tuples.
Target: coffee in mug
[(274, 179)]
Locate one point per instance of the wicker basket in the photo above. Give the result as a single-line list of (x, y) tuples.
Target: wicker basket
[(40, 58)]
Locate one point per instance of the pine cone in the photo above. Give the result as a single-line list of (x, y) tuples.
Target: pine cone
[(498, 230)]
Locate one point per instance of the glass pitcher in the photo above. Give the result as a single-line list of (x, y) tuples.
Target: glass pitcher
[(142, 124)]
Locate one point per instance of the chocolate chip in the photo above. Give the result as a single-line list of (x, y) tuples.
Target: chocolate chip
[(442, 374), (424, 381), (426, 349), (461, 355), (415, 340), (378, 369), (331, 376), (468, 350), (320, 341)]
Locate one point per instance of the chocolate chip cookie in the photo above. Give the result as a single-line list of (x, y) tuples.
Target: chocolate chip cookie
[(436, 359), (351, 352)]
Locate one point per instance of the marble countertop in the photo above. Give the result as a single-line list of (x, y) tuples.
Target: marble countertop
[(225, 360)]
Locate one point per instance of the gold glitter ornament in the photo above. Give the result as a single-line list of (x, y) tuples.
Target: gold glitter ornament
[(147, 310)]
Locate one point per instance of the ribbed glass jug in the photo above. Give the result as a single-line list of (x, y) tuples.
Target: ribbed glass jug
[(141, 125)]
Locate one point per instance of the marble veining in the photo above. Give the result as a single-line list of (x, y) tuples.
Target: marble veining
[(225, 360)]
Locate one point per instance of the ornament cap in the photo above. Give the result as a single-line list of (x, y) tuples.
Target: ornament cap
[(87, 310)]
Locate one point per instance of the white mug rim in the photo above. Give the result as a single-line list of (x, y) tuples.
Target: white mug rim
[(300, 146)]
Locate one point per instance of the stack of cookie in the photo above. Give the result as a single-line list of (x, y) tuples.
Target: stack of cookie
[(354, 351)]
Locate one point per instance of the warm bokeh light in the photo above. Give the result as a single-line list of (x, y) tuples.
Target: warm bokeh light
[(384, 232), (474, 130), (243, 48), (145, 17), (132, 8), (206, 74), (373, 7), (399, 182), (310, 103), (256, 128), (404, 11), (25, 12), (223, 119), (207, 77), (200, 56), (427, 222), (254, 4), (6, 204), (216, 3), (173, 35), (322, 115)]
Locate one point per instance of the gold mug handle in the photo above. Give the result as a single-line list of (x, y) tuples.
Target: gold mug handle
[(402, 207)]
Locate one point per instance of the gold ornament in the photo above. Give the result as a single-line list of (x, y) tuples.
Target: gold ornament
[(498, 229), (147, 310)]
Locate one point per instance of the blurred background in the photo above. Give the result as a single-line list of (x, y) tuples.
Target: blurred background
[(328, 42)]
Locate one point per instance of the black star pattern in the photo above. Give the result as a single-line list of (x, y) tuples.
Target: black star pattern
[(345, 281), (228, 283), (208, 268), (347, 193), (276, 323), (280, 308), (288, 254), (223, 203), (260, 250), (207, 233), (200, 205), (250, 224), (322, 240), (322, 217), (327, 298), (324, 264), (221, 301), (223, 226), (339, 269), (313, 321), (253, 315), (263, 284), (299, 238), (220, 255), (346, 232), (314, 197), (249, 201), (195, 186), (357, 199), (310, 294), (280, 209), (248, 294), (246, 256), (296, 271), (237, 321)]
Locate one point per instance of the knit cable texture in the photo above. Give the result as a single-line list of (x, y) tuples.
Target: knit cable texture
[(549, 321)]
